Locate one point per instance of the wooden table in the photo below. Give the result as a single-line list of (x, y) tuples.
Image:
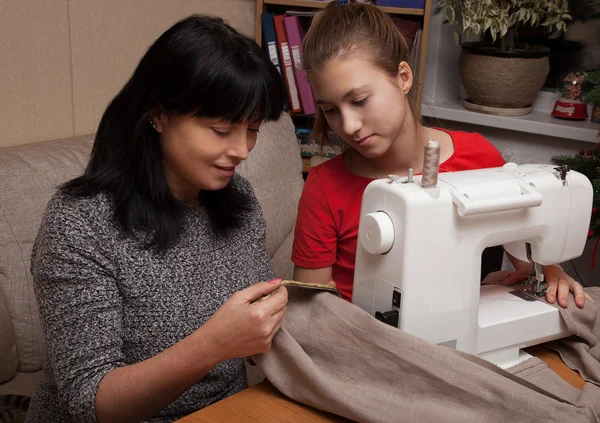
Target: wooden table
[(263, 403)]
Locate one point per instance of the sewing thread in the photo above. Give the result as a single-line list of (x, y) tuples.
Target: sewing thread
[(431, 165)]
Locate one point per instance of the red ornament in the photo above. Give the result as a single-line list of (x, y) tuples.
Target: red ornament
[(581, 152), (590, 233), (594, 211), (589, 152)]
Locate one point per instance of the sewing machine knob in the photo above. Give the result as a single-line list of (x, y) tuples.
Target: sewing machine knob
[(376, 233)]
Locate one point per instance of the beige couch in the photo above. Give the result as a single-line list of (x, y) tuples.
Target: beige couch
[(29, 175)]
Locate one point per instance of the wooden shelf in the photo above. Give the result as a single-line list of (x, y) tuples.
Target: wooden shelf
[(321, 4), (534, 123)]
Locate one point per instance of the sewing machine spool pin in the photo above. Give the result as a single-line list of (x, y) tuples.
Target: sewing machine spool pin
[(395, 179)]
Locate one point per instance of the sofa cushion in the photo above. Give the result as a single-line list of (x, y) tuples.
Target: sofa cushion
[(8, 347), (29, 176), (274, 169), (282, 259)]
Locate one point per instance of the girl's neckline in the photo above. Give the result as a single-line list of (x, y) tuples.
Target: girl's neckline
[(448, 160)]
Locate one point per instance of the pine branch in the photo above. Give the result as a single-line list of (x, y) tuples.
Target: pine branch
[(593, 96), (593, 77)]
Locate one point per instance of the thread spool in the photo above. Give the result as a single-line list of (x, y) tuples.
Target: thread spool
[(431, 165)]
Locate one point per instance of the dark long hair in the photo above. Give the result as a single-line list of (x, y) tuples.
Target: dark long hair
[(198, 67)]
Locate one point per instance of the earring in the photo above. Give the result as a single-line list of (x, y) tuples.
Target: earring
[(152, 123)]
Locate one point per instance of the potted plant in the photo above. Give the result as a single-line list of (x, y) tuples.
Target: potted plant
[(502, 76), (593, 95)]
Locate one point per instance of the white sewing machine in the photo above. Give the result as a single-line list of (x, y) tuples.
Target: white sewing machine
[(419, 254)]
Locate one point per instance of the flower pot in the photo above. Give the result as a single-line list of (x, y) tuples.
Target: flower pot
[(497, 79)]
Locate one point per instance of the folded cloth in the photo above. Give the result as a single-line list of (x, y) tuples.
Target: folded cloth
[(332, 355), (581, 351)]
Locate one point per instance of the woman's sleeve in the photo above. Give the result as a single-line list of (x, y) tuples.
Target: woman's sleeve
[(80, 307), (315, 235)]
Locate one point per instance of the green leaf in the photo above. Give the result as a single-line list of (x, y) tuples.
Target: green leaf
[(450, 14), (457, 38), (466, 22), (488, 23)]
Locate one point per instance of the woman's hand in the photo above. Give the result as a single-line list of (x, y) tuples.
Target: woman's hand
[(241, 328)]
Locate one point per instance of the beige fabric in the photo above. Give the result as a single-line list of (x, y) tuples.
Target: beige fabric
[(29, 175), (581, 351), (274, 169), (8, 347), (334, 356), (65, 59), (537, 372)]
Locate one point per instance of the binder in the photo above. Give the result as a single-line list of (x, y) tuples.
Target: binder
[(286, 62), (270, 40), (295, 34)]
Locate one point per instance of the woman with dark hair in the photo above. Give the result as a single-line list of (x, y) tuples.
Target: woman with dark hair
[(147, 266)]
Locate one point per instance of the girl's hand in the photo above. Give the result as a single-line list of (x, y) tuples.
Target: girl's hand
[(559, 283), (241, 328)]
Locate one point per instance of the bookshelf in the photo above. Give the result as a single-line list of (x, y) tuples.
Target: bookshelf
[(423, 15), (321, 4)]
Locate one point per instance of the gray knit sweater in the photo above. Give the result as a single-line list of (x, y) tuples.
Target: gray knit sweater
[(106, 302)]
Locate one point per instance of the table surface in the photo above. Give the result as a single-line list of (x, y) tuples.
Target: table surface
[(263, 403)]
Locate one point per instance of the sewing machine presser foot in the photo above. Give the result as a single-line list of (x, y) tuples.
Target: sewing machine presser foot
[(534, 287)]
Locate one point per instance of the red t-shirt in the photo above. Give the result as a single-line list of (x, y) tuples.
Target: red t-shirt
[(329, 210)]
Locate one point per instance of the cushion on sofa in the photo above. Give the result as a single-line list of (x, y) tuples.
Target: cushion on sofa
[(274, 169), (29, 176)]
